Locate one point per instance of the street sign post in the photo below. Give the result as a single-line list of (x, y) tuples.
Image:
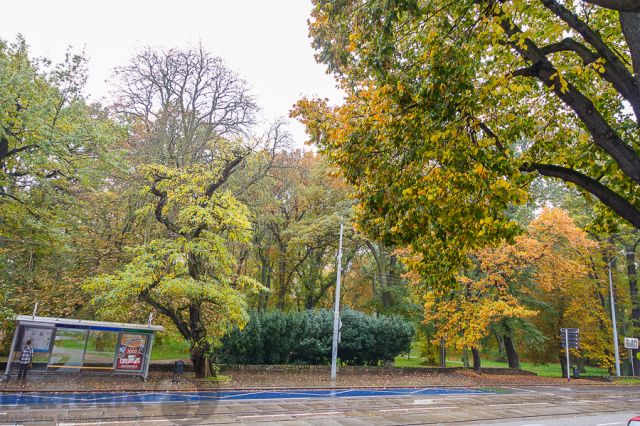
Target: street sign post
[(631, 343), (569, 339)]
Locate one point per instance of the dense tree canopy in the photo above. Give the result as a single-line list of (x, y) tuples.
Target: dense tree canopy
[(453, 107), (55, 152)]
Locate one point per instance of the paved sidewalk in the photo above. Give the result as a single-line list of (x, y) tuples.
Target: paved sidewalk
[(266, 379)]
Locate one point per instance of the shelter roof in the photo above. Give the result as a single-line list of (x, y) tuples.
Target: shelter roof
[(80, 323)]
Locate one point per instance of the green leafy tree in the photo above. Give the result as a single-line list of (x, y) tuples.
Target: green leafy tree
[(297, 212), (189, 275), (453, 108), (190, 119), (55, 150)]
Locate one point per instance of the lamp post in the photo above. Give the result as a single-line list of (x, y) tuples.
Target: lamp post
[(613, 319), (336, 313)]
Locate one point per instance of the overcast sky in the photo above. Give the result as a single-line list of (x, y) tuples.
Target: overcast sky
[(266, 42)]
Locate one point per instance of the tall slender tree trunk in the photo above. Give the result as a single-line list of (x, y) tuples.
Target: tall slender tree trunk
[(263, 297), (263, 281), (386, 273), (282, 291), (309, 302), (500, 340), (387, 300), (476, 359)]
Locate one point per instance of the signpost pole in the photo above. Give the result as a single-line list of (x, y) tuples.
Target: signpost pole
[(336, 312), (566, 350), (631, 343)]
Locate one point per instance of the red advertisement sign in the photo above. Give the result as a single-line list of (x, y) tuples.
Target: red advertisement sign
[(130, 352)]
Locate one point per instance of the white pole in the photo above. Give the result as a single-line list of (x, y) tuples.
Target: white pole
[(10, 360), (336, 312), (566, 350), (613, 320), (633, 370)]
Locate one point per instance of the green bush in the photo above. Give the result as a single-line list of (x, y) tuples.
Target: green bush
[(305, 338)]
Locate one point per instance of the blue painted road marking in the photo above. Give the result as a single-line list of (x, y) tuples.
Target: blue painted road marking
[(121, 398)]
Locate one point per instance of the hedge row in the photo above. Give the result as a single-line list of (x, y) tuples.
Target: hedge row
[(276, 337)]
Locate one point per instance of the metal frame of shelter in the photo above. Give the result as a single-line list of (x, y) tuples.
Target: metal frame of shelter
[(63, 345)]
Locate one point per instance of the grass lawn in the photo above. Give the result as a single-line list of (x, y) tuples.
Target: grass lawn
[(548, 370), (170, 349), (627, 380)]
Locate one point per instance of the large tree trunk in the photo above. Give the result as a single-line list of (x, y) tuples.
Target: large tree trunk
[(199, 345), (198, 358), (563, 363), (309, 302), (386, 273), (476, 359), (630, 24), (510, 349)]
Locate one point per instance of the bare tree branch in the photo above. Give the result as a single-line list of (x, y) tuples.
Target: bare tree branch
[(610, 198)]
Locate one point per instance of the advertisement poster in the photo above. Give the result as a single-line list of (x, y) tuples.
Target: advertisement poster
[(40, 338), (130, 352)]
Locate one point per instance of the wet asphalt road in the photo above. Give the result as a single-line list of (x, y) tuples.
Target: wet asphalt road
[(524, 406)]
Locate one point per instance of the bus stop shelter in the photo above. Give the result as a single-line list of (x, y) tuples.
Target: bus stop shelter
[(63, 345)]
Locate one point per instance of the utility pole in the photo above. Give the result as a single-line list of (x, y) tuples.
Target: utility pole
[(336, 312), (613, 320)]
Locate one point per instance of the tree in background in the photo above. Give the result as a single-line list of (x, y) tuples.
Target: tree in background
[(389, 288), (524, 293), (180, 102), (485, 295), (627, 239), (297, 211), (569, 290), (56, 151), (190, 118)]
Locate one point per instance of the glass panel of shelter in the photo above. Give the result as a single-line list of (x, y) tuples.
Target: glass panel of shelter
[(68, 350), (41, 342), (101, 349)]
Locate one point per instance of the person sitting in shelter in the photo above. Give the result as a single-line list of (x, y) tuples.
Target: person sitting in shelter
[(26, 355)]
